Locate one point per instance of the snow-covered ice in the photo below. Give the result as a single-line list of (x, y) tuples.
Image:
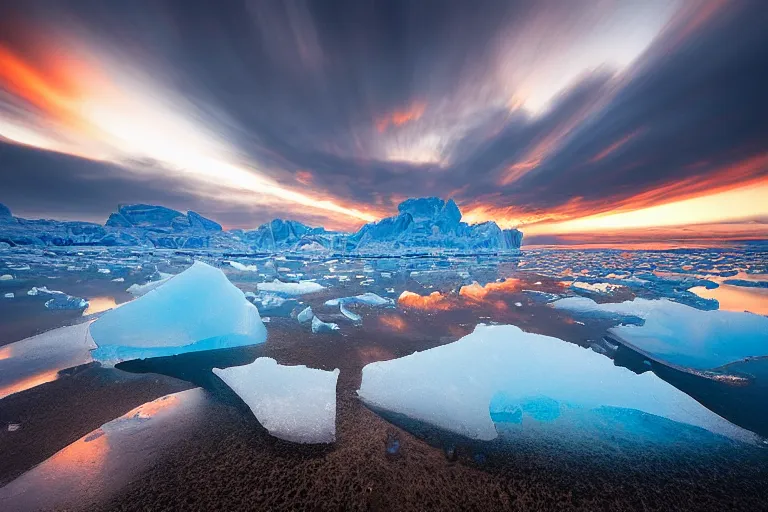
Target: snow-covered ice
[(294, 403), (318, 326), (245, 268), (9, 295), (453, 386), (6, 277), (290, 289), (198, 309)]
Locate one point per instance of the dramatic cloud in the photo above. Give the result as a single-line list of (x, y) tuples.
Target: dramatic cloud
[(556, 116)]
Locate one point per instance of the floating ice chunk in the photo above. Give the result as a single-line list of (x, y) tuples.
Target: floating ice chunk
[(692, 338), (306, 315), (639, 308), (65, 301), (453, 386), (244, 268), (198, 309), (137, 290), (319, 326), (349, 314), (20, 267), (96, 466), (290, 289), (58, 300), (6, 277), (518, 304), (602, 288), (369, 298), (9, 295), (269, 300), (104, 271), (294, 403), (37, 360), (118, 280)]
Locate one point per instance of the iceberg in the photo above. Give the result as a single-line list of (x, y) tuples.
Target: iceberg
[(293, 403), (500, 369), (318, 326), (682, 335), (198, 309), (429, 223), (290, 289), (37, 360)]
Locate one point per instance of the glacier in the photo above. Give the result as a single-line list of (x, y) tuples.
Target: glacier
[(198, 309), (500, 369), (293, 403)]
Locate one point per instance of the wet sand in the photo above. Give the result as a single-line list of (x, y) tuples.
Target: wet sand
[(232, 463)]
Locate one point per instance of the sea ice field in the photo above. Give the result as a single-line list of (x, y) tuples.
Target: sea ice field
[(571, 378)]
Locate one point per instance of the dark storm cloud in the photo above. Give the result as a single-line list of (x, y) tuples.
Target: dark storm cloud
[(320, 94)]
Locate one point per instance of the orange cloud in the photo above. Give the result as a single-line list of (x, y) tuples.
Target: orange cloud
[(613, 147), (401, 117)]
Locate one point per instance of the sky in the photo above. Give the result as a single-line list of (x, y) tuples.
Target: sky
[(628, 119)]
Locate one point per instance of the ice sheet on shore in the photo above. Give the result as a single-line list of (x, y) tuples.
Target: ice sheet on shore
[(294, 403), (683, 335), (453, 386), (101, 463), (198, 309), (290, 289), (37, 360)]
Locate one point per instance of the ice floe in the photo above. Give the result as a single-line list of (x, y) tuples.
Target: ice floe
[(682, 335), (294, 403), (455, 386), (198, 309), (318, 326), (290, 289)]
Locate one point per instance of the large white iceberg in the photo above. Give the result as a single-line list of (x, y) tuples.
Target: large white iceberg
[(37, 360), (294, 403), (680, 334), (495, 369), (198, 309)]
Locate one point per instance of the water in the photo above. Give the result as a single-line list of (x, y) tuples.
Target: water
[(448, 297)]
